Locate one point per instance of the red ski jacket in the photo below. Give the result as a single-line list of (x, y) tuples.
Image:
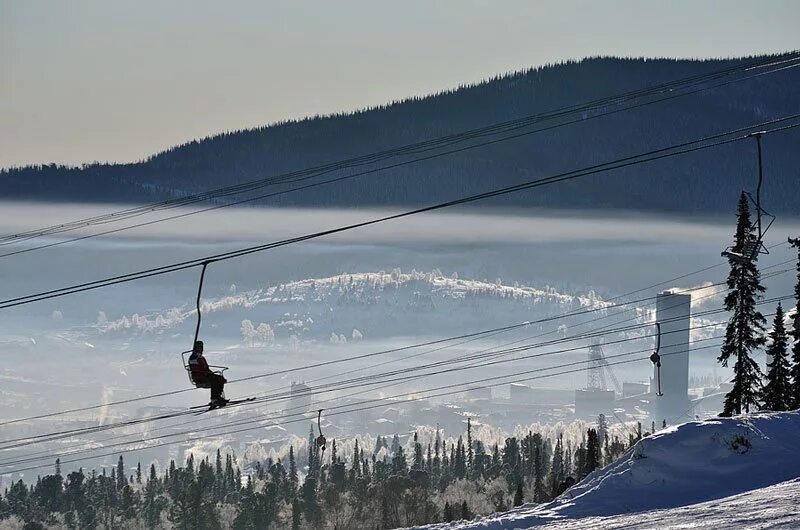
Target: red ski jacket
[(199, 368)]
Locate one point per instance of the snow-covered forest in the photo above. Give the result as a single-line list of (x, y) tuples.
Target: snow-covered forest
[(364, 482)]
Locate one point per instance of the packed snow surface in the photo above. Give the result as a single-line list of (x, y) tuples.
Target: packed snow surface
[(723, 473), (774, 507)]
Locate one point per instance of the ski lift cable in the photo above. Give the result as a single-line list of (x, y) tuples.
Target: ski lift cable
[(372, 400), (670, 87), (184, 390), (272, 398), (382, 403), (278, 397), (353, 383), (573, 349), (425, 352), (565, 339), (707, 142), (480, 363), (65, 434), (317, 389), (82, 449), (371, 354), (597, 331), (493, 378), (367, 355), (243, 252), (623, 423), (285, 422)]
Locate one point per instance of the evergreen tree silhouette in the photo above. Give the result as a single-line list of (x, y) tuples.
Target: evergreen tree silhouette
[(518, 494), (795, 333), (744, 332), (778, 390)]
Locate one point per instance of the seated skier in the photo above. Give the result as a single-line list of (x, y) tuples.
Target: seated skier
[(204, 377)]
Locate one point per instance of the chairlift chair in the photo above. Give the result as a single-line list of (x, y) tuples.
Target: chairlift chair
[(320, 441), (218, 369), (656, 359), (750, 250)]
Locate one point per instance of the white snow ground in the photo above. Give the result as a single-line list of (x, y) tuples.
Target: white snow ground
[(722, 473)]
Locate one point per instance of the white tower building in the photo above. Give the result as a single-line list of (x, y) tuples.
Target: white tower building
[(673, 312)]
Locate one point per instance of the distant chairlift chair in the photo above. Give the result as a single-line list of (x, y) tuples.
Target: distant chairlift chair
[(750, 249)]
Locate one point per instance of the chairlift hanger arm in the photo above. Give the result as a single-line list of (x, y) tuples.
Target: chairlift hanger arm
[(197, 329), (321, 441), (199, 293), (656, 359)]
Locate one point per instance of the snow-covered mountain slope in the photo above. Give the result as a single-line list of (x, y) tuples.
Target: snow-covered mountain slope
[(773, 507), (719, 471)]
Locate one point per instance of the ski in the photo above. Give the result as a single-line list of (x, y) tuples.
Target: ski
[(209, 406)]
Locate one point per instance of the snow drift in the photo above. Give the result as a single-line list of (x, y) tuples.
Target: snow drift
[(679, 466)]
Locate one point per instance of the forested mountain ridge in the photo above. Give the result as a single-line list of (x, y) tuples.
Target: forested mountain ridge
[(707, 181)]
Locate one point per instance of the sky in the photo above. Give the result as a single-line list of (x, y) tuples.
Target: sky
[(93, 80)]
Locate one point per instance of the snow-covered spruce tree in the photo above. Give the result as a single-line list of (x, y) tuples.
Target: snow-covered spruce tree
[(778, 390), (746, 325), (795, 333)]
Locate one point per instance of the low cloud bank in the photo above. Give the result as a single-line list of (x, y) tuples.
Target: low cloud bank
[(453, 227)]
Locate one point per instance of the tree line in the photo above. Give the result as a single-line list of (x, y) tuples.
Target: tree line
[(779, 388), (383, 487)]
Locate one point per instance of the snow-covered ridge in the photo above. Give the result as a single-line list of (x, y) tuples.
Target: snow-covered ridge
[(680, 466), (396, 290), (773, 507)]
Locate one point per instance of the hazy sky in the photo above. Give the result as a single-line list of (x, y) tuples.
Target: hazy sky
[(113, 80)]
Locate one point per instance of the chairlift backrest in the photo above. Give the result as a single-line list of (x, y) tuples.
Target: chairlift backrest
[(750, 248), (188, 369)]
